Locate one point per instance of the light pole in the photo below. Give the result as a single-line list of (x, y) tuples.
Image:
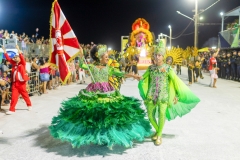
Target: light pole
[(196, 25), (195, 19), (222, 15), (170, 35)]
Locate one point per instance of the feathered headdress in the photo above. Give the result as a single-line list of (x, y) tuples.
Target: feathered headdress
[(102, 49), (175, 55), (159, 48)]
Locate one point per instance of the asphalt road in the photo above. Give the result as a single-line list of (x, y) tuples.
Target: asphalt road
[(211, 131)]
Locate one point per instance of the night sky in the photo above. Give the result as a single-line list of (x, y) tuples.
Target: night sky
[(105, 21)]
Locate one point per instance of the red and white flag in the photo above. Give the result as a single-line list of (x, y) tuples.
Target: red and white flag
[(64, 45)]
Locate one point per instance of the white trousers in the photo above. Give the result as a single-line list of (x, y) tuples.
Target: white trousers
[(211, 82), (81, 75)]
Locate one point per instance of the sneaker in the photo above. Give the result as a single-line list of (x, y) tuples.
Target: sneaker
[(9, 112), (29, 108)]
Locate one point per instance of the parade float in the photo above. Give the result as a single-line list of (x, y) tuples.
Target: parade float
[(139, 43)]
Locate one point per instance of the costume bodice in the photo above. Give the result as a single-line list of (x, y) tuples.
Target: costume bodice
[(100, 74), (159, 82)]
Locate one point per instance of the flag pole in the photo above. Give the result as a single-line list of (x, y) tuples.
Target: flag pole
[(88, 67)]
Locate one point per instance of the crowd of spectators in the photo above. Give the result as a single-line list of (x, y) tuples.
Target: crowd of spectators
[(33, 44), (227, 65)]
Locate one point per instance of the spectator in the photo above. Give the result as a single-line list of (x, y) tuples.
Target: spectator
[(34, 66), (23, 35), (57, 77), (51, 80), (212, 61), (12, 35), (6, 34), (6, 68), (24, 45), (44, 74), (37, 33), (28, 65), (33, 39), (5, 89), (3, 86), (73, 71), (81, 75), (1, 33)]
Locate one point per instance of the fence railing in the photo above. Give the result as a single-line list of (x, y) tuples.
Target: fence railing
[(34, 84)]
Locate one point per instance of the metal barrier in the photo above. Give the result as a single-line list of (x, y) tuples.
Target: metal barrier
[(34, 84)]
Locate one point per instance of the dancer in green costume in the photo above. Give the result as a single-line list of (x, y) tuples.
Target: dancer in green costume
[(163, 92), (99, 114)]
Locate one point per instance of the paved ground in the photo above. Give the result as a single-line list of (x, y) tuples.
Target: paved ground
[(210, 132)]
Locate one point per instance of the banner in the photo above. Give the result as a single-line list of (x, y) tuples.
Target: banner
[(64, 45), (9, 43)]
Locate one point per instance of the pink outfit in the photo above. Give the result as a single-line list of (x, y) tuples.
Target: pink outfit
[(44, 70), (214, 75)]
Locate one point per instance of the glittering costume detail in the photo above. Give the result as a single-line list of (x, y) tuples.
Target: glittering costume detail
[(101, 115), (158, 88)]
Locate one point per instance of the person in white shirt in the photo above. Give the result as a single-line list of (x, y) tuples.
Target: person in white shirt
[(28, 65), (82, 76)]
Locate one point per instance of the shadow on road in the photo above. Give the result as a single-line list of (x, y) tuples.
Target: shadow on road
[(44, 140), (4, 141)]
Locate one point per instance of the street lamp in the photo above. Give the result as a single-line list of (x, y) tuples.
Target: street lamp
[(195, 19), (196, 25), (222, 15), (109, 49), (185, 15), (170, 35)]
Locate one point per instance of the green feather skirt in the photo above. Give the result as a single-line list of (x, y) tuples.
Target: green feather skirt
[(101, 119)]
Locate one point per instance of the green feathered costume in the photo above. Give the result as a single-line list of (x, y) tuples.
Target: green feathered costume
[(100, 115), (158, 88)]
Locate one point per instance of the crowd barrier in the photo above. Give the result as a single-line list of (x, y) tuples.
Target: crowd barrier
[(34, 83)]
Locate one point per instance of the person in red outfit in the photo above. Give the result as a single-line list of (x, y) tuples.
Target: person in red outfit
[(212, 61), (19, 80)]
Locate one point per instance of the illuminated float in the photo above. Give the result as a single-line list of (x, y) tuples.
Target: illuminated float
[(140, 42)]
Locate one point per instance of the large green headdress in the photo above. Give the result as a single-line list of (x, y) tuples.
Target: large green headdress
[(159, 48), (102, 49)]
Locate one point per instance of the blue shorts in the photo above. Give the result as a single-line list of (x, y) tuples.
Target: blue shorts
[(44, 77)]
